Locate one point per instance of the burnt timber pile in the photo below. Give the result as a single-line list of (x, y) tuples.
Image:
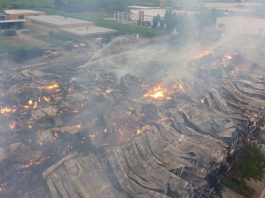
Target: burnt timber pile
[(103, 132)]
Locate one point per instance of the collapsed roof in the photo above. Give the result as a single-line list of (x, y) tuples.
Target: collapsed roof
[(114, 130)]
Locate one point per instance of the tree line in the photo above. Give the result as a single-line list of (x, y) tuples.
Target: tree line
[(92, 5), (117, 5), (249, 165), (184, 23)]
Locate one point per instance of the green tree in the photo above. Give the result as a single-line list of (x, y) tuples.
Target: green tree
[(113, 5), (82, 5), (250, 163), (169, 20), (58, 3)]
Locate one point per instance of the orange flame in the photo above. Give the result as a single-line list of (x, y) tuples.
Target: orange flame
[(181, 88), (35, 162), (4, 110), (35, 106), (30, 104), (109, 91), (138, 131), (26, 106), (158, 93), (234, 71), (228, 57), (78, 126), (13, 125), (93, 137), (30, 126), (202, 54), (47, 99), (50, 87)]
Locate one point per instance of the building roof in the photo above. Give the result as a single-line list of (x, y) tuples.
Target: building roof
[(12, 21), (88, 31), (59, 20), (142, 7), (10, 12)]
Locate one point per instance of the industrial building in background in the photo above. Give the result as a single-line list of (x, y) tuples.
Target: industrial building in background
[(13, 20), (75, 27), (2, 14), (241, 25), (21, 14)]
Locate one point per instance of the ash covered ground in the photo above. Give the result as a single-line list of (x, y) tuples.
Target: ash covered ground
[(139, 119)]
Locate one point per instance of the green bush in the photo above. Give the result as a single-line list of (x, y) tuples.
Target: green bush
[(249, 164), (129, 29), (237, 186), (25, 4), (50, 40)]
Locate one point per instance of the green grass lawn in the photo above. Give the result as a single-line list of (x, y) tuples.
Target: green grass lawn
[(9, 43), (48, 4), (51, 40), (25, 3), (129, 29)]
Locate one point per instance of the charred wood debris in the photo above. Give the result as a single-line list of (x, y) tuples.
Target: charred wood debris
[(105, 136)]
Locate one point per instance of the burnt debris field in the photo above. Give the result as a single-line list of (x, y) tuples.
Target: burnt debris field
[(137, 120)]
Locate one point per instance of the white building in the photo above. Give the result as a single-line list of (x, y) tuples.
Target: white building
[(21, 14), (241, 25), (150, 12)]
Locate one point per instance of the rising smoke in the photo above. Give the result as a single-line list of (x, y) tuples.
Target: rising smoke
[(110, 87)]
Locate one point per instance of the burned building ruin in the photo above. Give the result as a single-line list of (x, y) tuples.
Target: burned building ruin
[(115, 130)]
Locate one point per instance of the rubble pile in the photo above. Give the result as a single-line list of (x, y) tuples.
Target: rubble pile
[(35, 127), (174, 153), (106, 133)]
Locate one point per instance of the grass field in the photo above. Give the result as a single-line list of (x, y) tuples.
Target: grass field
[(9, 43), (25, 3), (48, 4), (122, 28), (48, 39)]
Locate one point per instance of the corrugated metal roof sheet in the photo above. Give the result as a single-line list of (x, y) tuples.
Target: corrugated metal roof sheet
[(12, 21), (23, 12), (58, 20)]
